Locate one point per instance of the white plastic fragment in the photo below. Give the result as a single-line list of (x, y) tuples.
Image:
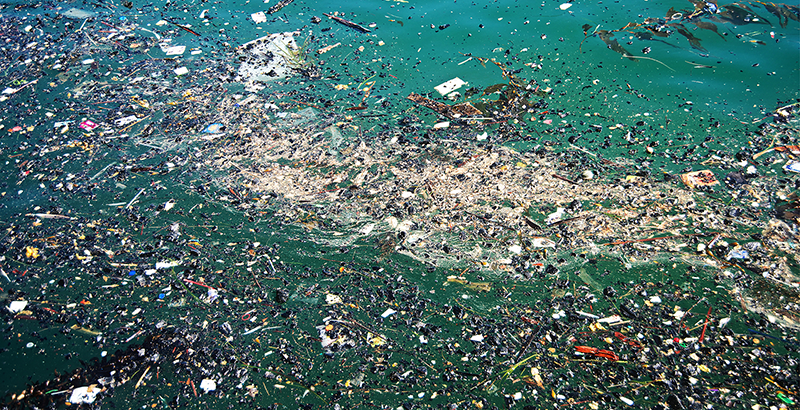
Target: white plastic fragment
[(724, 321), (181, 71), (610, 319), (367, 229), (540, 242), (655, 300), (211, 295), (173, 50), (259, 17), (477, 338), (449, 86), (17, 306), (253, 330), (515, 249), (78, 14), (119, 122), (792, 166), (565, 6), (84, 394), (167, 264), (332, 299), (587, 314), (388, 313), (626, 400), (208, 385), (555, 216)]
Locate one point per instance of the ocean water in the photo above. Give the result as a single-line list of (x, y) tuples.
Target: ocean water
[(288, 302)]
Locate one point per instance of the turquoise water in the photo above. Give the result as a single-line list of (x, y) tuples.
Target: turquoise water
[(92, 290)]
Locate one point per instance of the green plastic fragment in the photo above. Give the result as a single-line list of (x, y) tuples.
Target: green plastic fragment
[(785, 399)]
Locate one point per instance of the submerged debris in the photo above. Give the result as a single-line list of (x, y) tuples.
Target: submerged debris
[(705, 15)]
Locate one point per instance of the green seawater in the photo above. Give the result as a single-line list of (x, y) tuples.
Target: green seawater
[(669, 108)]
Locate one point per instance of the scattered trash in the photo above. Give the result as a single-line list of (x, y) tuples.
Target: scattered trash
[(304, 220), (705, 16), (269, 58)]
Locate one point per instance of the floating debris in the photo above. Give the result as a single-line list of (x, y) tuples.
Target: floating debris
[(313, 219)]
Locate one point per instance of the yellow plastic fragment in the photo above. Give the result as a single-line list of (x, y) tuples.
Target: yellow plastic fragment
[(31, 252)]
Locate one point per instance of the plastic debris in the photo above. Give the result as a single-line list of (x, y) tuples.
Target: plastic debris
[(449, 86), (269, 58), (702, 178), (259, 17), (208, 385), (193, 218), (174, 50), (792, 166), (17, 306), (84, 394), (213, 128), (167, 264)]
